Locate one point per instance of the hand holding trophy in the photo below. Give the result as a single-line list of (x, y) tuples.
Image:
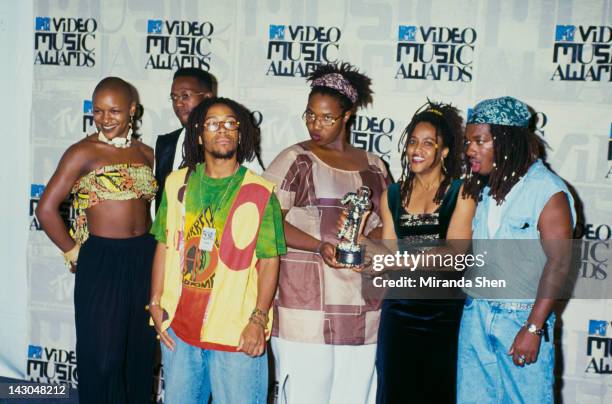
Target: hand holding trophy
[(348, 253)]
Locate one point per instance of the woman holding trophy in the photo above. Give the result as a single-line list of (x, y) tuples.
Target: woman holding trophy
[(322, 320)]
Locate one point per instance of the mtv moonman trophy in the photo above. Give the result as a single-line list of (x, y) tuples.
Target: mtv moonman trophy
[(348, 252)]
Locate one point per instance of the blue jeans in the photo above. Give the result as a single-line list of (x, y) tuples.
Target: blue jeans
[(192, 374), (485, 371)]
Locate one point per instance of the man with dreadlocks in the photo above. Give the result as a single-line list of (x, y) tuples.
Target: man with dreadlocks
[(220, 231), (506, 351)]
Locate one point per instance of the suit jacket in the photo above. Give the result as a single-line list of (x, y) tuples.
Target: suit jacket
[(165, 149)]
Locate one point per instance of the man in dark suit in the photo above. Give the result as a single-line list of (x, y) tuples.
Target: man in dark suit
[(189, 87)]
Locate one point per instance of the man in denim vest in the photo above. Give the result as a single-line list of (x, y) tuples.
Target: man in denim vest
[(506, 351)]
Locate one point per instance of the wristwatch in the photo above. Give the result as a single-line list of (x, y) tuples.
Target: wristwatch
[(532, 328)]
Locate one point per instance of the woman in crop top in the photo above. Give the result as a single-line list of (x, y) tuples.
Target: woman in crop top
[(108, 247)]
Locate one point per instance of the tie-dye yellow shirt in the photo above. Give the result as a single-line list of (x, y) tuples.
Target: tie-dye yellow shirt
[(207, 203)]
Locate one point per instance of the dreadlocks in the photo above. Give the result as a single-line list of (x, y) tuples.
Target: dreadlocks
[(449, 128), (249, 134), (515, 149)]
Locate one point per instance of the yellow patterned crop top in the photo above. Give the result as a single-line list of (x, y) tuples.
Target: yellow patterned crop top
[(116, 182)]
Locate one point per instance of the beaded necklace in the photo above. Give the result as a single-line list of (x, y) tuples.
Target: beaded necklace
[(118, 142)]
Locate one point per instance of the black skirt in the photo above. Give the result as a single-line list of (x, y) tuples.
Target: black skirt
[(115, 344), (416, 356)]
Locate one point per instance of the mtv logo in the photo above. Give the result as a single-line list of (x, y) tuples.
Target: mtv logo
[(36, 190), (35, 352), (43, 24), (598, 327), (87, 107), (407, 33), (565, 33), (277, 32), (154, 26)]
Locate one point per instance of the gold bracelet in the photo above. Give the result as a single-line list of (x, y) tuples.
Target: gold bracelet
[(255, 320), (71, 256), (259, 313), (259, 317), (151, 304)]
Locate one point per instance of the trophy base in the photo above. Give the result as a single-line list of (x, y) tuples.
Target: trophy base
[(350, 257)]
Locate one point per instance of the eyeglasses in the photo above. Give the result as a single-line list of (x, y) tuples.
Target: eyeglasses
[(184, 97), (327, 120), (426, 144), (214, 126)]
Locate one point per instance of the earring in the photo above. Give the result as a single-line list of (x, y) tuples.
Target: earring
[(199, 140), (444, 165)]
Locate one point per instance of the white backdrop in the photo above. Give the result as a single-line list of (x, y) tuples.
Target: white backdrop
[(15, 106), (556, 55)]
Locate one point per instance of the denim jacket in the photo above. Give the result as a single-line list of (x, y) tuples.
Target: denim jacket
[(520, 263)]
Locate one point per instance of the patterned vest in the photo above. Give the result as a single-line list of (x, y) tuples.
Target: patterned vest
[(234, 293)]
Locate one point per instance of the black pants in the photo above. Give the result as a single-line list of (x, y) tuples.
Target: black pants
[(115, 344)]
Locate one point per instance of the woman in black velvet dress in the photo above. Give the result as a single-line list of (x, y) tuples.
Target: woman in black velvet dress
[(417, 341)]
